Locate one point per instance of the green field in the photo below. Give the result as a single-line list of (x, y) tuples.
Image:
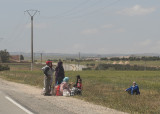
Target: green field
[(105, 88)]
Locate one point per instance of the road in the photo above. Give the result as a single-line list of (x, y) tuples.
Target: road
[(11, 95), (6, 107), (18, 98)]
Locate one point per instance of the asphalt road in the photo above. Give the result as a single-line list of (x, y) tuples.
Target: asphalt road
[(14, 101), (8, 107)]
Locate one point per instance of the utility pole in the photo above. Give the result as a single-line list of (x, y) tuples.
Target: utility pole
[(32, 13), (145, 63), (41, 58), (34, 57), (78, 60), (79, 55)]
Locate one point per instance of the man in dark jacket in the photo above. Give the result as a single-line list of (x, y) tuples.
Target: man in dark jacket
[(59, 73)]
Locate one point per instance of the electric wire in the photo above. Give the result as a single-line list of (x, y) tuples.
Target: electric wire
[(74, 8), (84, 15), (96, 10), (92, 5), (15, 35), (70, 10), (76, 13)]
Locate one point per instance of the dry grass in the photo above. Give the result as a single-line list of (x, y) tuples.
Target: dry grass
[(107, 87)]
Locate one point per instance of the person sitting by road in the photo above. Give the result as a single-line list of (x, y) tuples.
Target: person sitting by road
[(65, 87), (134, 89), (77, 88)]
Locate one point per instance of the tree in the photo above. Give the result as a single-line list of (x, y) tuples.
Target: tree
[(4, 55), (21, 57)]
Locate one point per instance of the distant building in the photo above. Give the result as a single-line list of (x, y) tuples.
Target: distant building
[(15, 58), (92, 58), (124, 57)]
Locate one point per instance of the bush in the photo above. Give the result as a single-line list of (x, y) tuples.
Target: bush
[(86, 68), (4, 56), (124, 67), (4, 67)]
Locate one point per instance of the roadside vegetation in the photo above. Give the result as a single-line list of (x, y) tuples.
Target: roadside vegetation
[(4, 67), (103, 87), (140, 61)]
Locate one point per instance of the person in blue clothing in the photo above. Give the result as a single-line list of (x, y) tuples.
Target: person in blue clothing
[(133, 90)]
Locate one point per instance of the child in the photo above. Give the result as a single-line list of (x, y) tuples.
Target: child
[(77, 88)]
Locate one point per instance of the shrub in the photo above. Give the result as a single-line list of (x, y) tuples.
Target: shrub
[(124, 67), (4, 67), (86, 68)]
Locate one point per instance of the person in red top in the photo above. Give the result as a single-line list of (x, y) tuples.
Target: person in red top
[(79, 87), (79, 84)]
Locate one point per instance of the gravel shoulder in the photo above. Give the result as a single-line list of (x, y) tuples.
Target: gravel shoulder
[(68, 104)]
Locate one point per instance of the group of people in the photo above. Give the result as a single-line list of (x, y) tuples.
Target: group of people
[(61, 84)]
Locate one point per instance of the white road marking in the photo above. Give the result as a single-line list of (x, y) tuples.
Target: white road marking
[(20, 106)]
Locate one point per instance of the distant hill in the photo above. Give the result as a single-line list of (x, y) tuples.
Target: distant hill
[(27, 56)]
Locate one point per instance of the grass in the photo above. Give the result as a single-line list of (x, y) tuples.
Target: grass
[(106, 87), (141, 63)]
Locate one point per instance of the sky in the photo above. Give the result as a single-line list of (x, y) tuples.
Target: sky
[(85, 26)]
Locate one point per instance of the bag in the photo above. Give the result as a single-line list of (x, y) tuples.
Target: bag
[(58, 90), (73, 91), (66, 93)]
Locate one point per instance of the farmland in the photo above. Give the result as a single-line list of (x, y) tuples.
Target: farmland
[(104, 87)]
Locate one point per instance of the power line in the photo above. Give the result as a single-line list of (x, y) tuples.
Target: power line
[(98, 2), (14, 36), (76, 7), (72, 17), (16, 32), (89, 13), (70, 10), (95, 11)]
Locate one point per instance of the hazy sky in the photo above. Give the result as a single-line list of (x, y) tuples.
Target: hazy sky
[(86, 26)]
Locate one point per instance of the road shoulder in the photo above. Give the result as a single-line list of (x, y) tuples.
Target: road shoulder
[(67, 103)]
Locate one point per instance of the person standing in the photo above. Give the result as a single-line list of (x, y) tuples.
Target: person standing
[(48, 79), (59, 73)]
